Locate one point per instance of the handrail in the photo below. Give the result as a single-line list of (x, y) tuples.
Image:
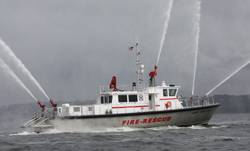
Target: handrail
[(32, 121), (40, 122), (196, 101), (105, 88)]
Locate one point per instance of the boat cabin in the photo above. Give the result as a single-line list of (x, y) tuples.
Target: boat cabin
[(127, 100)]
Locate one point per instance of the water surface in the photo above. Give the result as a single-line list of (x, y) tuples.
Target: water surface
[(225, 132)]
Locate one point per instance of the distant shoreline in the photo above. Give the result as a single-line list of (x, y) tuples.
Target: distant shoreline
[(229, 104)]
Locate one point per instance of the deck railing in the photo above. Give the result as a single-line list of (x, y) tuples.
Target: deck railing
[(105, 88), (196, 101)]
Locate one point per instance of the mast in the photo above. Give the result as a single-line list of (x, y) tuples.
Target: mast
[(139, 68)]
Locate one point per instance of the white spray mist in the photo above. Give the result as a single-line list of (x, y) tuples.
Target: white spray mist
[(197, 37), (10, 72), (165, 29), (20, 65), (228, 77)]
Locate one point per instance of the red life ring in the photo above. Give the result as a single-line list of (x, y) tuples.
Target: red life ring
[(168, 105)]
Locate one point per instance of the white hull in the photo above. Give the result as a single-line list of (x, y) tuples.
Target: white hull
[(180, 117)]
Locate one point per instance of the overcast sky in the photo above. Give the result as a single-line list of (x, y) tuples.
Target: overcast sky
[(72, 47)]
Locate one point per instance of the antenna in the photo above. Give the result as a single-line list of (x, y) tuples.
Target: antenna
[(140, 67)]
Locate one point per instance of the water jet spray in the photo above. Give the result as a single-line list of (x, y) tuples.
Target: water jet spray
[(10, 72), (18, 63), (197, 37), (228, 77), (165, 29)]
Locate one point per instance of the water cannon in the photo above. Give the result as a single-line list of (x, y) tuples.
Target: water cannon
[(53, 104), (152, 76), (41, 105), (155, 67), (112, 84), (153, 73)]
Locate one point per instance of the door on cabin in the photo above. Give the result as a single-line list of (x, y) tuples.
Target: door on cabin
[(151, 99)]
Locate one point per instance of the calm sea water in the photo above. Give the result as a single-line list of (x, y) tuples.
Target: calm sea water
[(225, 132)]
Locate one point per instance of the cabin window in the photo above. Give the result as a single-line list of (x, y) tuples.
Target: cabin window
[(172, 92), (149, 97), (132, 98), (102, 99), (76, 109), (106, 99), (110, 99), (165, 92), (122, 98), (90, 108)]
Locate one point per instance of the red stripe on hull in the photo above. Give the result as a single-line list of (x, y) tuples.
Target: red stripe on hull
[(139, 106)]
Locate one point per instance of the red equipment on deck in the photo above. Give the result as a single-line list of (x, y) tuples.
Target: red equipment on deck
[(153, 73), (112, 84), (41, 105), (152, 76), (53, 104)]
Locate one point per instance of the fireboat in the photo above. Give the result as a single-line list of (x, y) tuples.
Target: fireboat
[(138, 105)]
